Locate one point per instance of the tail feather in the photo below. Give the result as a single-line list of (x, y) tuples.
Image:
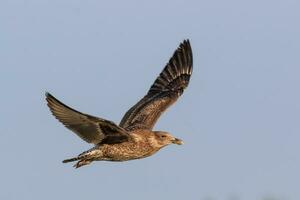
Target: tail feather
[(71, 159), (83, 155), (84, 158)]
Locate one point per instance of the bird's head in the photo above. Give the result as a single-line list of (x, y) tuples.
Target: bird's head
[(165, 138)]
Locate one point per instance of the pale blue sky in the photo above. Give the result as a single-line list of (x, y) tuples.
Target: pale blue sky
[(239, 117)]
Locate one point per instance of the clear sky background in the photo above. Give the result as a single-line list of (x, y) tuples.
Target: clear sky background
[(239, 117)]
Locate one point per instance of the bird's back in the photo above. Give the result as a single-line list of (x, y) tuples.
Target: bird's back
[(139, 147)]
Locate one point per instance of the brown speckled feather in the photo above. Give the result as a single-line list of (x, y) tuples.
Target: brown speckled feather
[(165, 90), (91, 129)]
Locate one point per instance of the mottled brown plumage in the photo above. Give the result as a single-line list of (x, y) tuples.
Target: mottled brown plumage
[(133, 138)]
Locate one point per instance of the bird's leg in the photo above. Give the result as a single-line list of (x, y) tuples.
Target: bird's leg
[(82, 163)]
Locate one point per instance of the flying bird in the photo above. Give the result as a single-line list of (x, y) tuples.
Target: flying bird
[(133, 138)]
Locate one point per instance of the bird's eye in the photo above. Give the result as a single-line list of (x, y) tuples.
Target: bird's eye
[(163, 136)]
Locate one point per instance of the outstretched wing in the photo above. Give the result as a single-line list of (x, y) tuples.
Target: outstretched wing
[(165, 90), (89, 128)]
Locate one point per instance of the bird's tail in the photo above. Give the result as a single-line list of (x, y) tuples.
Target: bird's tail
[(71, 159), (80, 163), (83, 159), (81, 156)]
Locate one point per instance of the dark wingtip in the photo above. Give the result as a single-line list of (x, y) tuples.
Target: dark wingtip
[(185, 42), (176, 74), (48, 95), (186, 46)]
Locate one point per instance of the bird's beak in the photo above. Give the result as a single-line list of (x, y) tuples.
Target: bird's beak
[(177, 141)]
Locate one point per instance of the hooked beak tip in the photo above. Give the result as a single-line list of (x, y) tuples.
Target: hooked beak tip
[(177, 141)]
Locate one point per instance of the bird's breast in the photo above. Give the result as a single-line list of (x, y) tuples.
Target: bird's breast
[(127, 151)]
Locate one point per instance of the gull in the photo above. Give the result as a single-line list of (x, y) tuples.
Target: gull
[(134, 137)]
